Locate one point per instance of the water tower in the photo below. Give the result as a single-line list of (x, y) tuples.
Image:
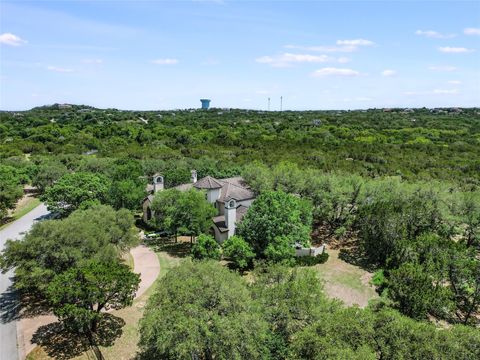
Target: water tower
[(205, 103)]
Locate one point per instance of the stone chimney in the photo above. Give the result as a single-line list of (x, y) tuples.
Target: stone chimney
[(230, 216), (194, 176), (158, 183)]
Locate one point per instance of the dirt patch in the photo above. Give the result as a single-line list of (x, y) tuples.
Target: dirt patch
[(346, 282)]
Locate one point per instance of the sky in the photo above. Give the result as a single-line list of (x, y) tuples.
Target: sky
[(153, 55)]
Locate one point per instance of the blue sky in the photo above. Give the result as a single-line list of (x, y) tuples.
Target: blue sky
[(169, 54)]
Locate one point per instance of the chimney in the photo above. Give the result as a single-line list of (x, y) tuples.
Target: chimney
[(230, 216), (158, 184), (194, 176)]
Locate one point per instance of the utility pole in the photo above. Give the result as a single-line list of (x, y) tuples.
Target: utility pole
[(268, 104), (281, 102)]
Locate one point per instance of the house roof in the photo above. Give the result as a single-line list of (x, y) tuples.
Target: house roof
[(219, 221), (233, 188), (208, 182), (184, 187)]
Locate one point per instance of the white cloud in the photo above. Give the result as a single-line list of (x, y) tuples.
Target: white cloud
[(445, 91), (59, 69), (355, 42), (434, 34), (92, 61), (166, 61), (11, 39), (471, 31), (331, 71), (454, 50), (442, 68), (325, 49), (455, 82), (287, 59), (389, 72)]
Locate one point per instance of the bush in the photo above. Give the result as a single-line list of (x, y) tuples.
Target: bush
[(206, 248), (312, 260), (239, 252), (378, 279)]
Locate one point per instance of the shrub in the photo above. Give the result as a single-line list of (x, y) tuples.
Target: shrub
[(239, 252), (206, 248), (378, 279), (312, 260)]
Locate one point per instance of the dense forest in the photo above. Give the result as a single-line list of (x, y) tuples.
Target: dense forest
[(397, 190), (422, 144)]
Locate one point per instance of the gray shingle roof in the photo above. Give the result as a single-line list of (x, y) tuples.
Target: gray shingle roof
[(208, 182), (234, 188)]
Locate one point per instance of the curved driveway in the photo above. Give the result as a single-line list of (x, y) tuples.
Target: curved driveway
[(8, 324)]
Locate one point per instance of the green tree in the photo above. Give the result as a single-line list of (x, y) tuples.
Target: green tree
[(206, 247), (470, 216), (259, 177), (399, 337), (127, 194), (194, 212), (464, 280), (186, 212), (392, 215), (72, 191), (343, 333), (10, 188), (80, 294), (54, 246), (203, 311), (275, 222), (127, 189), (418, 292), (239, 252), (47, 173), (290, 299)]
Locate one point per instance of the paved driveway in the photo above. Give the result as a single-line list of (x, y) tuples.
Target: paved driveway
[(8, 326)]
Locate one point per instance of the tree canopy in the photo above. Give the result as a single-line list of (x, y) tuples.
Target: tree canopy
[(54, 246), (80, 294), (202, 310), (182, 212), (275, 222), (72, 191)]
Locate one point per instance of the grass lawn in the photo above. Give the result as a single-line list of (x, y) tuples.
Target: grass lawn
[(125, 346), (346, 282), (128, 259), (24, 206)]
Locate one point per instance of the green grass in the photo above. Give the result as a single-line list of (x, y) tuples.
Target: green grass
[(350, 280), (128, 258), (29, 205)]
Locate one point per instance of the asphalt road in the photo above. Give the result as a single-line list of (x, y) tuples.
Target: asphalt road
[(8, 326)]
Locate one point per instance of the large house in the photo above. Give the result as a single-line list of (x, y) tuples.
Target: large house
[(231, 197)]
